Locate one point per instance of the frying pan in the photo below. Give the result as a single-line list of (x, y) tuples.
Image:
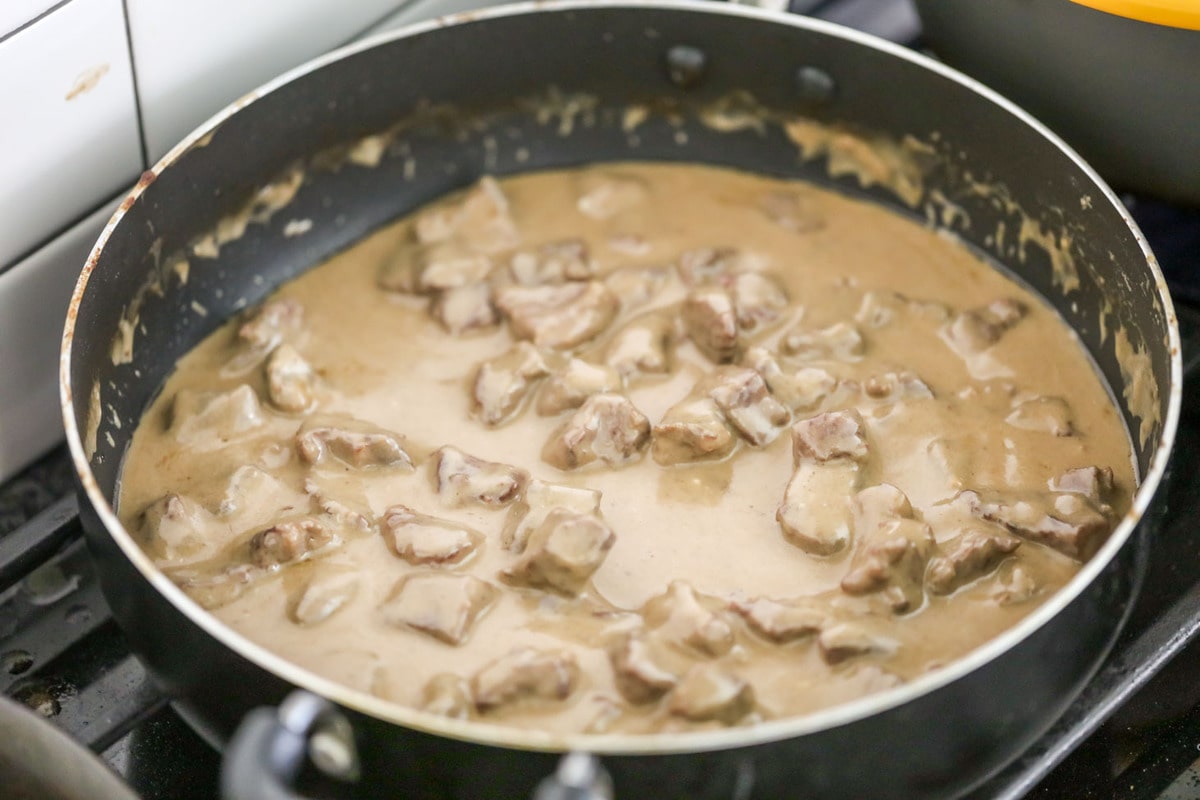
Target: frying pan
[(305, 166)]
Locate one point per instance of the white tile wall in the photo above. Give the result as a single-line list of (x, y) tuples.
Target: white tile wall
[(69, 132), (195, 56)]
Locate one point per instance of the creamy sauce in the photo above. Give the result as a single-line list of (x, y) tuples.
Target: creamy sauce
[(984, 425)]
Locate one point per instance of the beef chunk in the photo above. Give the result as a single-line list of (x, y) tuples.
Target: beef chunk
[(606, 428), (968, 556), (574, 383), (325, 593), (1043, 414), (681, 617), (465, 308), (421, 539), (176, 528), (849, 640), (637, 286), (433, 268), (554, 262), (558, 317), (291, 382), (839, 342), (800, 390), (707, 266), (783, 620), (541, 499), (893, 548), (1094, 483), (269, 325), (525, 675), (641, 670), (978, 329), (480, 220), (562, 553), (743, 397), (603, 196), (896, 387), (710, 319), (794, 210), (815, 514), (448, 695), (643, 346), (443, 605), (1067, 522), (463, 479), (208, 420), (692, 430), (290, 541), (834, 436), (502, 383), (354, 442), (256, 493), (759, 300), (707, 692)]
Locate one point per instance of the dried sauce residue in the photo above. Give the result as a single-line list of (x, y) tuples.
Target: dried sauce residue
[(1141, 389)]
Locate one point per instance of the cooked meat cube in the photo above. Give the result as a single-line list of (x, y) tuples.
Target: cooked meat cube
[(175, 528), (711, 321), (743, 397), (758, 299), (833, 436), (541, 499), (503, 383), (325, 593), (421, 539), (554, 262), (444, 605), (208, 420), (289, 541), (465, 308), (896, 387), (604, 196), (799, 390), (839, 342), (272, 323), (636, 286), (692, 430), (253, 492), (291, 382), (643, 345), (707, 692), (1043, 414), (340, 514), (815, 513), (562, 553), (793, 210), (640, 669), (354, 442), (978, 329), (559, 317), (680, 616), (968, 556), (575, 383), (848, 640), (463, 479), (449, 695), (893, 548), (1094, 483), (783, 620), (1067, 522), (707, 266), (481, 220), (525, 674), (449, 266), (606, 428)]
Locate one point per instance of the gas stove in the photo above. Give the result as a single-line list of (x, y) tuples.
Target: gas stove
[(1133, 733)]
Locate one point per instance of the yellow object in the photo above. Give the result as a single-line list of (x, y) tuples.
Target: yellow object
[(1175, 13)]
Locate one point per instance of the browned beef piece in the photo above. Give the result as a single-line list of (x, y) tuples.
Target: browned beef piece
[(641, 670), (449, 265), (553, 262), (893, 548), (561, 316), (759, 300), (707, 266), (570, 386), (449, 695), (832, 436), (693, 429), (783, 620), (643, 346), (710, 318), (289, 541), (978, 329), (839, 342), (175, 527), (481, 220), (271, 324), (525, 675), (444, 605), (850, 639), (207, 420), (326, 592), (967, 557), (1043, 414), (1094, 483), (354, 442), (1068, 522), (799, 389), (681, 617), (708, 692), (742, 395), (563, 552), (502, 383), (463, 479), (291, 382), (794, 210), (607, 428), (465, 308), (422, 539), (896, 387)]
